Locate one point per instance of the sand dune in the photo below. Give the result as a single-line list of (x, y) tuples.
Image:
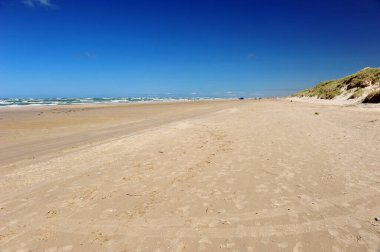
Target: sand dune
[(212, 176)]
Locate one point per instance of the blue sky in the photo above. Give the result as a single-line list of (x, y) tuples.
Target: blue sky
[(56, 48)]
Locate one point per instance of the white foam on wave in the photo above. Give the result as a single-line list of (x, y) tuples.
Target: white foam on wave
[(21, 102)]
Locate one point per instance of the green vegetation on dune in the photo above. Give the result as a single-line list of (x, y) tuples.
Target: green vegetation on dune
[(331, 89), (357, 93), (324, 90)]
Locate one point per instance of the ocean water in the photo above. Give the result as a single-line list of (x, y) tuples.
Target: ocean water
[(17, 102)]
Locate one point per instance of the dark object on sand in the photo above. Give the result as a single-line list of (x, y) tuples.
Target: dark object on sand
[(241, 98), (316, 113), (377, 218), (373, 97)]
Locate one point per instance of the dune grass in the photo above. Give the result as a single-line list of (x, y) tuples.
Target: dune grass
[(331, 89), (358, 92)]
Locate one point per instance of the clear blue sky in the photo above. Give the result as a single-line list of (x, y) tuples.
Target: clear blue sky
[(131, 47)]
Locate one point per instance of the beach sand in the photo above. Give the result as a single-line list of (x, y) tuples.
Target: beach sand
[(190, 176)]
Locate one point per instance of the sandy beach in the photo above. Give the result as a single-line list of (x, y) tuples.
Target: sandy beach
[(269, 175)]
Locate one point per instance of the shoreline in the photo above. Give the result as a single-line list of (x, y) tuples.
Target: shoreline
[(44, 125), (164, 100)]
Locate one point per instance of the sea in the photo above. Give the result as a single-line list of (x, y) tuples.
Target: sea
[(18, 102)]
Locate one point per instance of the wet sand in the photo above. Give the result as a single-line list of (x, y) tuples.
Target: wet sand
[(214, 176)]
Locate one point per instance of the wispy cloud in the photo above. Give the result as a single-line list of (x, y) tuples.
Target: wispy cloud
[(88, 55), (252, 56), (235, 93), (39, 3)]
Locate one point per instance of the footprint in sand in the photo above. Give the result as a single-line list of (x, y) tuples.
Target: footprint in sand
[(261, 188), (183, 210), (203, 243), (62, 249), (227, 245), (224, 222), (100, 238), (66, 248), (282, 245), (333, 232), (53, 249), (370, 239), (51, 213), (297, 247), (289, 176), (239, 206), (230, 180)]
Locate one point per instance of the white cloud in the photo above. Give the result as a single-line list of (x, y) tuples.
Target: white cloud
[(251, 56), (39, 3), (45, 2), (28, 3)]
